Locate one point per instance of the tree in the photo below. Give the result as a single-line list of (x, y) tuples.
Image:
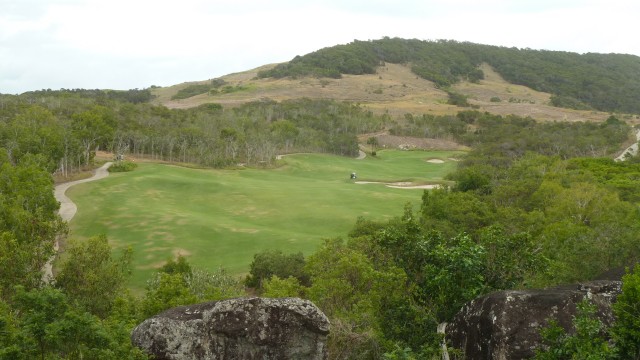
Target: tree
[(29, 223), (91, 276), (276, 287), (48, 326), (286, 132), (274, 262), (373, 141), (626, 329), (92, 128)]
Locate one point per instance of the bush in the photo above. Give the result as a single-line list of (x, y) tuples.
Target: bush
[(191, 90), (123, 166), (586, 343), (626, 330), (273, 262)]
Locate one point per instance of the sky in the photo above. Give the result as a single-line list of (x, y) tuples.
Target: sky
[(127, 44)]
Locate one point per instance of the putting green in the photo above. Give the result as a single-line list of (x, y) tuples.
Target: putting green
[(220, 218)]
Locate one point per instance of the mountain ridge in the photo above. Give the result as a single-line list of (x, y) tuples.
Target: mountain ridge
[(397, 89)]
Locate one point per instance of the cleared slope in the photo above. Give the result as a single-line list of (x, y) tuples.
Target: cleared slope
[(394, 89)]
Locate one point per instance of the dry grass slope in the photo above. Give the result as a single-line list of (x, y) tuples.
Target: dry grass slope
[(394, 89)]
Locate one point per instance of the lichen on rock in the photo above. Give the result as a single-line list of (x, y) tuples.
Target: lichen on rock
[(242, 328)]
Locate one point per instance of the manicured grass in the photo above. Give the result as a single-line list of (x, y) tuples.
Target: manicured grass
[(220, 218)]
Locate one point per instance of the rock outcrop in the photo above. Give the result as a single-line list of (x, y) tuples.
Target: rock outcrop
[(506, 324), (242, 328)]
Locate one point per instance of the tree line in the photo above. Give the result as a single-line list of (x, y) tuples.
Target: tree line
[(69, 126)]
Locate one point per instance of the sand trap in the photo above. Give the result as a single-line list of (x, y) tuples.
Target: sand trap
[(400, 185), (414, 187), (435, 161)]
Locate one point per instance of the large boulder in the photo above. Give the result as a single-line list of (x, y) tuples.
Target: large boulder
[(506, 324), (242, 328)]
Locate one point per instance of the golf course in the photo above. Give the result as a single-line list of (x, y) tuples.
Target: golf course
[(221, 218)]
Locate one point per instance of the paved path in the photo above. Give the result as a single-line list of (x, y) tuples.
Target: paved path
[(68, 210), (632, 150)]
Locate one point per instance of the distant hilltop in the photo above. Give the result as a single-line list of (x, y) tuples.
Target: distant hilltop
[(413, 76)]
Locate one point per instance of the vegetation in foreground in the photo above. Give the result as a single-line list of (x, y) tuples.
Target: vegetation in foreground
[(525, 211)]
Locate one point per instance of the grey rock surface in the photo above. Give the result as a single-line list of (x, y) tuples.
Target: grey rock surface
[(242, 328), (506, 324)]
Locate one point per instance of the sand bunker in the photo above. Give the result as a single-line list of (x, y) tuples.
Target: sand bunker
[(436, 161), (399, 185)]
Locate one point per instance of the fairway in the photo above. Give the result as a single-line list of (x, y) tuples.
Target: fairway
[(220, 218)]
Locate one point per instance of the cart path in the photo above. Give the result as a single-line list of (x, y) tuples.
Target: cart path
[(631, 150), (68, 210)]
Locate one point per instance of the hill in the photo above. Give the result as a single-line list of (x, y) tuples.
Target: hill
[(545, 85)]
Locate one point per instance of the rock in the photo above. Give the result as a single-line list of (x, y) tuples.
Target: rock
[(506, 324), (242, 328)]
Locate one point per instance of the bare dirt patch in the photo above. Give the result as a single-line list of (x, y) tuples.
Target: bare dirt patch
[(180, 252), (245, 231), (406, 142)]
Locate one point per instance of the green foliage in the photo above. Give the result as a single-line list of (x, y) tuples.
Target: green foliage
[(268, 263), (91, 276), (165, 291), (446, 271), (498, 140), (586, 343), (178, 266), (276, 287), (606, 82), (626, 329), (133, 96), (29, 223), (568, 102), (457, 99), (191, 90), (123, 166), (362, 299), (68, 130), (48, 326), (183, 285), (503, 268)]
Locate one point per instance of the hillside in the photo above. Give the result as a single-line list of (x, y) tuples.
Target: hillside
[(397, 89), (393, 89)]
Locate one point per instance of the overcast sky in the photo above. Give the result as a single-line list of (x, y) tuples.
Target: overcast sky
[(125, 44)]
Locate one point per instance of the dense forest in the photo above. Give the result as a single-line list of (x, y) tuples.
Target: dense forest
[(605, 82), (533, 205)]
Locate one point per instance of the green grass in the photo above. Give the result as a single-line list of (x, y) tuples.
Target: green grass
[(220, 218)]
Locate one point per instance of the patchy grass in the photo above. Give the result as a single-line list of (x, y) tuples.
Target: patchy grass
[(394, 89), (220, 218)]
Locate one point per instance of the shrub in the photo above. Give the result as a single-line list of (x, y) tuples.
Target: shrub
[(274, 262), (191, 90), (123, 166)]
